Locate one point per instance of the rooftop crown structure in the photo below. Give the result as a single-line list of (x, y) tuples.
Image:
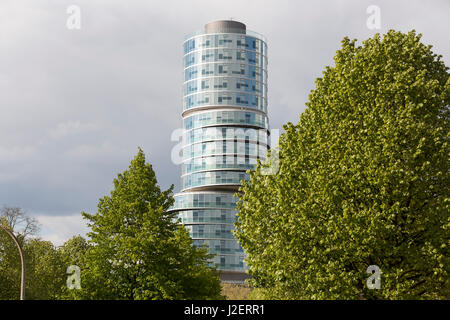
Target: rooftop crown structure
[(225, 131)]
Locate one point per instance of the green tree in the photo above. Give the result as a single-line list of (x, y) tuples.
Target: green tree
[(10, 266), (45, 272), (44, 269), (137, 248), (363, 180), (73, 252)]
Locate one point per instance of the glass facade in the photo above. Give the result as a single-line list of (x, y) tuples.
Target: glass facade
[(224, 147), (225, 133), (231, 117)]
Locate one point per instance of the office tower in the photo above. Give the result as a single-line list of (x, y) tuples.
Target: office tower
[(225, 131)]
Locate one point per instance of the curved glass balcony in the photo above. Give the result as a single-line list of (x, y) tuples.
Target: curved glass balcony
[(224, 147), (208, 216), (225, 98), (204, 200), (212, 118), (217, 163), (239, 70), (250, 41), (208, 235), (206, 231), (233, 55), (225, 133), (201, 179), (235, 84)]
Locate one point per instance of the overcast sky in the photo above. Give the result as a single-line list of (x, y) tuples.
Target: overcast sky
[(76, 104)]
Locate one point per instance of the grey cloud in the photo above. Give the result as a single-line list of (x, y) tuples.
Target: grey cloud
[(75, 105)]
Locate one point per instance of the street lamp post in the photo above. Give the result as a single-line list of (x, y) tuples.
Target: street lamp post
[(22, 260)]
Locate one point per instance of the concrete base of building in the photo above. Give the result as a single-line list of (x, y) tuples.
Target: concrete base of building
[(233, 277)]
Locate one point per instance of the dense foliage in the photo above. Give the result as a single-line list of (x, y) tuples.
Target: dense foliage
[(363, 180), (45, 271), (138, 250)]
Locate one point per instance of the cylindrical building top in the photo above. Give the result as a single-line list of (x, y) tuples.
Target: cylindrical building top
[(225, 26)]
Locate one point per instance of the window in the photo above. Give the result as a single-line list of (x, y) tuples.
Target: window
[(223, 68), (240, 55)]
